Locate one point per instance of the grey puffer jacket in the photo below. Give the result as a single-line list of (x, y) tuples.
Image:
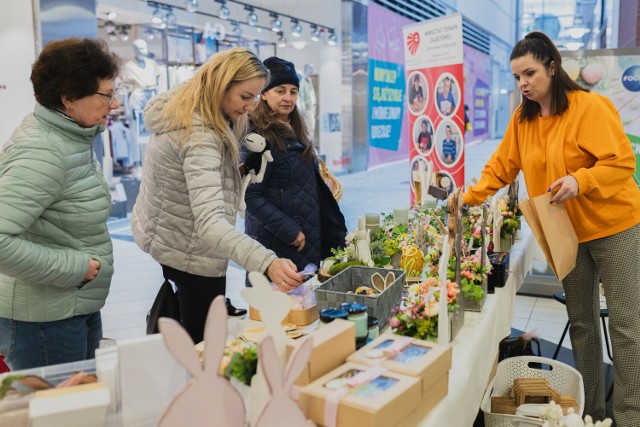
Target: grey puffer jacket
[(186, 210), (54, 205)]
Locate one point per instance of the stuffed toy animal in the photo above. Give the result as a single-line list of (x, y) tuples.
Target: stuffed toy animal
[(256, 162)]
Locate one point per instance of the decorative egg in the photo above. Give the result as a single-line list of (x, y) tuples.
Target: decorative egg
[(412, 260)]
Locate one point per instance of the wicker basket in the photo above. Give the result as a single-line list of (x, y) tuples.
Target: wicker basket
[(333, 291), (562, 378), (331, 180)]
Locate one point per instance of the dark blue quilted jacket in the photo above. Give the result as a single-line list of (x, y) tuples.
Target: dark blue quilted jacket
[(285, 203)]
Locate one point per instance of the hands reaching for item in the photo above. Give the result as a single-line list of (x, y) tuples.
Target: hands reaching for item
[(283, 273), (565, 188), (299, 241), (94, 268)]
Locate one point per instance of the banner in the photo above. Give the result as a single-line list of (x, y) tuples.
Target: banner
[(387, 113), (435, 87), (477, 69), (614, 73)]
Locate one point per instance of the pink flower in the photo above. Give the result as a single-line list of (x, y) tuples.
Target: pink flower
[(394, 322)]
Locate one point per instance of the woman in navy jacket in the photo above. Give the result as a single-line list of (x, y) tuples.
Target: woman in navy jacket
[(292, 211)]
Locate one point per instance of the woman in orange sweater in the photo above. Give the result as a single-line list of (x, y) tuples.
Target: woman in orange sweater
[(571, 142)]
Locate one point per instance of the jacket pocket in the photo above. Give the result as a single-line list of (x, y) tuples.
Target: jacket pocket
[(7, 336)]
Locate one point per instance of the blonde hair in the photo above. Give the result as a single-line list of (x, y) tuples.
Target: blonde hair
[(204, 95)]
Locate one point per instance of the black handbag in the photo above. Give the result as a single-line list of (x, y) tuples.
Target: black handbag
[(518, 346), (165, 305)]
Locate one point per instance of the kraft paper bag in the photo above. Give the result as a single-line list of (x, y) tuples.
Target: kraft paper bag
[(554, 232)]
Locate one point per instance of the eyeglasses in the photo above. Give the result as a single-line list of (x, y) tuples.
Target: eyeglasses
[(109, 96)]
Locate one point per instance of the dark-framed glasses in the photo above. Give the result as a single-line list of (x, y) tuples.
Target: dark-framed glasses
[(108, 96)]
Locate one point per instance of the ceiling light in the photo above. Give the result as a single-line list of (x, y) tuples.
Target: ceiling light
[(171, 20), (113, 36), (110, 27), (112, 15), (578, 32), (157, 17), (235, 28), (296, 29), (192, 6), (149, 34), (124, 33), (332, 40), (315, 33), (276, 23), (223, 12), (282, 42), (252, 18), (574, 45)]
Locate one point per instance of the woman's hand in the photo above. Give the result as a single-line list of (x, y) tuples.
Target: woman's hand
[(565, 188), (284, 274), (299, 241), (94, 268)]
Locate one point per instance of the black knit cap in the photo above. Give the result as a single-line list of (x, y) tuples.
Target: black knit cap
[(282, 72)]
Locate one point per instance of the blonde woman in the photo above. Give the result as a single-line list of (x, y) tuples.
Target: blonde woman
[(185, 214)]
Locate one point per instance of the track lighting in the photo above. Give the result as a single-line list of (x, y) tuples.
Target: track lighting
[(157, 17), (112, 15), (223, 12), (192, 5), (296, 29), (171, 20), (332, 40), (252, 17), (276, 23), (149, 34), (282, 42), (315, 33)]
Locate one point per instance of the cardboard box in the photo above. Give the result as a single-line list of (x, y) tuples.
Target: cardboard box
[(426, 360), (384, 402), (82, 406), (332, 344), (297, 317)]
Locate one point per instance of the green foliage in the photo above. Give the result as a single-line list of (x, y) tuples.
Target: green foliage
[(243, 365)]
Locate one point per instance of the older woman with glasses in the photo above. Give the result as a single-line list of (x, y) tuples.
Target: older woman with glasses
[(56, 257)]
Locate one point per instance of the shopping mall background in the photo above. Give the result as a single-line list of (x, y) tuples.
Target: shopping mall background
[(364, 31)]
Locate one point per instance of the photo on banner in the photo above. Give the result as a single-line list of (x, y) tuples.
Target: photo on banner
[(433, 52)]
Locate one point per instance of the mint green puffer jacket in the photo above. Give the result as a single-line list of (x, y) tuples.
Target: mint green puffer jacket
[(54, 204)]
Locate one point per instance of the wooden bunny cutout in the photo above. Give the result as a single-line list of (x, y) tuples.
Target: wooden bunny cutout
[(281, 409), (274, 307), (207, 396), (379, 283)]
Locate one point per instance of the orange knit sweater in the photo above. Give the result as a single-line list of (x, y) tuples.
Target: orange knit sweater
[(586, 141)]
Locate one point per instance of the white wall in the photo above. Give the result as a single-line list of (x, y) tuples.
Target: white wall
[(17, 53)]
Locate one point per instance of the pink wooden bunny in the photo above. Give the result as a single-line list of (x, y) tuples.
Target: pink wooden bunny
[(208, 398), (281, 409)]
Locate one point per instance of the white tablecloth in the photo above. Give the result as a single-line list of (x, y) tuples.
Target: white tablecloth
[(476, 346)]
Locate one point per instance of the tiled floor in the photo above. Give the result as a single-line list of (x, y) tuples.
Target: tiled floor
[(137, 277)]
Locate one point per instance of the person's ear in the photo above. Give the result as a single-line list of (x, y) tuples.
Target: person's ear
[(552, 68), (67, 103)]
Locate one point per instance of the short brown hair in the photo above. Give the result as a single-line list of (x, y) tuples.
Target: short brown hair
[(72, 68)]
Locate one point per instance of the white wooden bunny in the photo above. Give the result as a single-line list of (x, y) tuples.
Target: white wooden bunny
[(281, 409), (207, 396), (274, 307)]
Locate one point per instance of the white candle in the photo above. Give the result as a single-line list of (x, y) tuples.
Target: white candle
[(401, 216)]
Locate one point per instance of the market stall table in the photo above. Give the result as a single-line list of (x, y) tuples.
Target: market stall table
[(475, 348)]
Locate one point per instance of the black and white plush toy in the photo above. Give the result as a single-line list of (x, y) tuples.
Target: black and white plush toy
[(255, 165)]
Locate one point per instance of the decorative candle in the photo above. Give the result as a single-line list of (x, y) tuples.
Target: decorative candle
[(401, 216), (358, 315), (328, 315)]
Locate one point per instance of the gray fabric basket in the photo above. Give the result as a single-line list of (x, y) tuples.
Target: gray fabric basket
[(333, 291)]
